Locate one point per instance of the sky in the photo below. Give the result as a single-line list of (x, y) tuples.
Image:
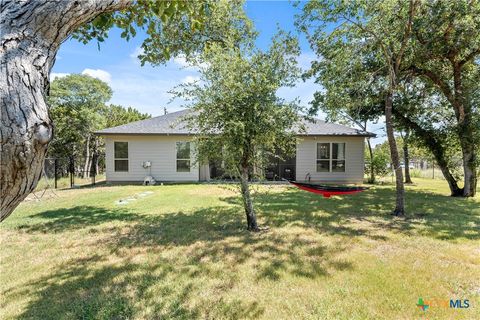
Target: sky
[(146, 88)]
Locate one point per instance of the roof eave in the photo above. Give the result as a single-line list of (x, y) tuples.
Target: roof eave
[(370, 135), (141, 134)]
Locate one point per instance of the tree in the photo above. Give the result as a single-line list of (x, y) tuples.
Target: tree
[(116, 115), (345, 98), (406, 156), (31, 34), (422, 111), (235, 109), (76, 103), (353, 81), (381, 159), (446, 48), (360, 28)]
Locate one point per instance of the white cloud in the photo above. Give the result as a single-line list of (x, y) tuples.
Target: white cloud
[(56, 75), (181, 61), (146, 88), (99, 74), (304, 60), (190, 79), (134, 55)]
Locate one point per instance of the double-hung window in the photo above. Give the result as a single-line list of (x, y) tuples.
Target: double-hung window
[(120, 156), (183, 156), (330, 157)]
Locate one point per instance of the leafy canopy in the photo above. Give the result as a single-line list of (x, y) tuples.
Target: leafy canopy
[(235, 107), (76, 104), (116, 115), (172, 27), (78, 107)]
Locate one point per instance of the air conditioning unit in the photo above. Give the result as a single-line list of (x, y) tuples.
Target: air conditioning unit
[(149, 181)]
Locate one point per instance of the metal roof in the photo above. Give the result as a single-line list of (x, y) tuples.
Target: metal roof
[(172, 124)]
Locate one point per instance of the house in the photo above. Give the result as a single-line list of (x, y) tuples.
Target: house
[(162, 147)]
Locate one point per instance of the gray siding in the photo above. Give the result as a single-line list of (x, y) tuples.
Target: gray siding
[(354, 160), (159, 150)]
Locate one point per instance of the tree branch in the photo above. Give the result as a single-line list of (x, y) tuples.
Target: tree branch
[(469, 57), (406, 36), (444, 87)]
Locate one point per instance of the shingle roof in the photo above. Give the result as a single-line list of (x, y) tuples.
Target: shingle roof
[(172, 124), (321, 128)]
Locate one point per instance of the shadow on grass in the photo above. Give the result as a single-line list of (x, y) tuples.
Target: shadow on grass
[(429, 214), (211, 246), (214, 246), (92, 289), (65, 219), (218, 234)]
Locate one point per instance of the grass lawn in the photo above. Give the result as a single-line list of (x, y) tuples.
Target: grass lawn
[(182, 252)]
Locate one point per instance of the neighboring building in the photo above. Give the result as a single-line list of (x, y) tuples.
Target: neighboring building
[(162, 147)]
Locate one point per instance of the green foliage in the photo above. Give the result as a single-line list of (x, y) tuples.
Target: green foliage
[(355, 55), (78, 107), (235, 107), (380, 162), (76, 104), (116, 115), (172, 26), (435, 81)]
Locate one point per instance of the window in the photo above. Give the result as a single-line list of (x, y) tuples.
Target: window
[(323, 157), (338, 157), (120, 156), (330, 157), (183, 156)]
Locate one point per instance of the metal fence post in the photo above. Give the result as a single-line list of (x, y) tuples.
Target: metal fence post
[(55, 165), (433, 169), (94, 167), (72, 172)]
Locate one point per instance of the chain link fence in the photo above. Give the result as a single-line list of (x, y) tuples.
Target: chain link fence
[(72, 172)]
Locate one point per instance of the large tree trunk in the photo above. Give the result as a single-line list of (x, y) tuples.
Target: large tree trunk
[(400, 200), (466, 131), (468, 145), (372, 169), (469, 171), (406, 157), (247, 200), (31, 33)]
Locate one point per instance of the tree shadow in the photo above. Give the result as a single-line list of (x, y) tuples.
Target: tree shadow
[(93, 289), (65, 219), (222, 229), (429, 214), (215, 246)]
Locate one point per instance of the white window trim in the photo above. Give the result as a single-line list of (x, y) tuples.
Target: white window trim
[(128, 158), (330, 159), (189, 159)]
